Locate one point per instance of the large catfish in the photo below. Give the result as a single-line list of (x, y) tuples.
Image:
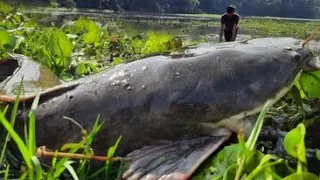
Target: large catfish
[(172, 113)]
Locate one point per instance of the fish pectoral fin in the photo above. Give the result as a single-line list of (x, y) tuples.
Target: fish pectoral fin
[(175, 160)]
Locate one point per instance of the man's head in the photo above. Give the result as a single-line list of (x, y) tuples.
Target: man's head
[(230, 9)]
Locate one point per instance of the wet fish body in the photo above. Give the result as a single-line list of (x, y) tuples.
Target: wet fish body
[(159, 98)]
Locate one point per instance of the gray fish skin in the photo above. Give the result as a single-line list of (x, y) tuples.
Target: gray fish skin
[(160, 98)]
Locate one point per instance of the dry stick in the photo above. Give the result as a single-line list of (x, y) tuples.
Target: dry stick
[(42, 152), (6, 99), (303, 43)]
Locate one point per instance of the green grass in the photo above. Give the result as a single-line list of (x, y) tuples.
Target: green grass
[(242, 160)]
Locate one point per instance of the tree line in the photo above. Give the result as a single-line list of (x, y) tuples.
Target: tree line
[(281, 8)]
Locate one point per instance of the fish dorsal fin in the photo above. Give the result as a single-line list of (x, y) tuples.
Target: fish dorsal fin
[(50, 92)]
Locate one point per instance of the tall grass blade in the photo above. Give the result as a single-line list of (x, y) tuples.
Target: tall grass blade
[(95, 174), (22, 147), (32, 125), (84, 144), (24, 175), (95, 129), (257, 128), (120, 170), (5, 109), (87, 149), (251, 142), (6, 173), (38, 167), (60, 167), (111, 152), (12, 120), (71, 170)]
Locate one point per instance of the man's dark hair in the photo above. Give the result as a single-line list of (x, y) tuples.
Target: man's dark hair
[(231, 9)]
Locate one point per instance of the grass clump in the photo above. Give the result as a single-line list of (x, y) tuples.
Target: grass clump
[(244, 161)]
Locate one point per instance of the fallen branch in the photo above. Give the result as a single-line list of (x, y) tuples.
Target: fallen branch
[(311, 37), (42, 152)]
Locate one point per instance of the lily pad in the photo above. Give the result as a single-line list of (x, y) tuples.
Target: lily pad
[(294, 143), (60, 45), (310, 82)]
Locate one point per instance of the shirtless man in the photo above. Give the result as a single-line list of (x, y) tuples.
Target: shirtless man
[(229, 24)]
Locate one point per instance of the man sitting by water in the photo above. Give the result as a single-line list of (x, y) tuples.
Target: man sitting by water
[(229, 24)]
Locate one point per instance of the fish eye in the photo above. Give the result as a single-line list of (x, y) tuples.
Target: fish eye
[(295, 55)]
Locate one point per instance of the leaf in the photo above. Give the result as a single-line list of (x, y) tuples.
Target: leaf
[(117, 61), (32, 124), (298, 85), (93, 66), (95, 129), (38, 167), (6, 174), (93, 33), (295, 93), (66, 76), (226, 158), (5, 36), (81, 24), (4, 7), (81, 69), (265, 164), (71, 170), (9, 42), (91, 37), (110, 153), (113, 148), (18, 41), (294, 143), (13, 42), (310, 82), (59, 44), (318, 154), (251, 142), (157, 42), (301, 176), (72, 36), (222, 164), (72, 146)]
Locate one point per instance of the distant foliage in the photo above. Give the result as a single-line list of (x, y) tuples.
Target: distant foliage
[(82, 47), (282, 8)]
